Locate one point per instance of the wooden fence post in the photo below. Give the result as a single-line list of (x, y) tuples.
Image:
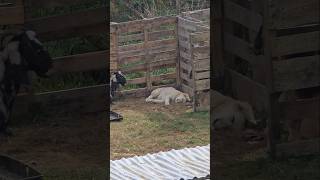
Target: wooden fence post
[(178, 6), (178, 80), (146, 57)]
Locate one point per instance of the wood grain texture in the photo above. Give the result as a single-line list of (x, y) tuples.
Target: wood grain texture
[(296, 73)]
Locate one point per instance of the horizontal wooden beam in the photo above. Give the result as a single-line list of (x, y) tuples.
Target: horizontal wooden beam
[(243, 16), (53, 3), (79, 100), (51, 28), (296, 43), (239, 47), (291, 13), (81, 62), (138, 25), (296, 73)]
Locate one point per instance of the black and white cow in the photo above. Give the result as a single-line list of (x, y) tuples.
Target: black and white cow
[(116, 79), (19, 53)]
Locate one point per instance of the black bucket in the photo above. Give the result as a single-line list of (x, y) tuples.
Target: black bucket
[(11, 169)]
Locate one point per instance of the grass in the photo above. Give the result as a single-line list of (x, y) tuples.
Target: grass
[(145, 132), (298, 168)]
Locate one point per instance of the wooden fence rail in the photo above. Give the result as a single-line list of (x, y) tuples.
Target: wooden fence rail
[(51, 28)]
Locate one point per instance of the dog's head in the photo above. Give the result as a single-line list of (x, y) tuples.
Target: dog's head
[(182, 98), (119, 78)]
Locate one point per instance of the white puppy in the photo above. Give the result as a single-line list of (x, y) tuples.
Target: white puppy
[(227, 112), (167, 94)]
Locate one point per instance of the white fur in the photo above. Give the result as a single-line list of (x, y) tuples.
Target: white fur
[(167, 94), (227, 112)]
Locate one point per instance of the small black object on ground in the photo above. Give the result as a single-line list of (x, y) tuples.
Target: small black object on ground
[(115, 116), (12, 169)]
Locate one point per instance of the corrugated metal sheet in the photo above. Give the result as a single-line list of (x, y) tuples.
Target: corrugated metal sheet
[(187, 163)]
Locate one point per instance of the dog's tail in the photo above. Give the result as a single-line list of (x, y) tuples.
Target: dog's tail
[(247, 111)]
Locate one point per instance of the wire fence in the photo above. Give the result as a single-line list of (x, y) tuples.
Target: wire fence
[(126, 10)]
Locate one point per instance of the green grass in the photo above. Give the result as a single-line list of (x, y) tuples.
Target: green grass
[(148, 131)]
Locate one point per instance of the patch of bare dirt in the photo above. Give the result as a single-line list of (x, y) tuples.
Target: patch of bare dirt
[(63, 143)]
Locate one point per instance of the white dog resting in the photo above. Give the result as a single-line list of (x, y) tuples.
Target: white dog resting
[(167, 94), (227, 112)]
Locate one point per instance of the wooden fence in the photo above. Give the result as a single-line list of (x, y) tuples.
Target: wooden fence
[(149, 45), (276, 45), (144, 47), (194, 49), (63, 26)]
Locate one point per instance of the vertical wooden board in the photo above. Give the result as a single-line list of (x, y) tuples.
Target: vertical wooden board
[(296, 73), (290, 13)]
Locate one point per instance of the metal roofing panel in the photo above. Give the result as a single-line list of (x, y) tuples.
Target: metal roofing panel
[(187, 163)]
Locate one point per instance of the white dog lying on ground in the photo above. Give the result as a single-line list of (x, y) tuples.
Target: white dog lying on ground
[(227, 112), (167, 94)]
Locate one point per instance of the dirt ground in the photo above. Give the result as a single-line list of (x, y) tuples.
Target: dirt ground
[(60, 148)]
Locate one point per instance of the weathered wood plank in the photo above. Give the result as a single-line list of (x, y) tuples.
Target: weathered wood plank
[(202, 65), (131, 37), (202, 38), (51, 26), (185, 55), (185, 66), (130, 59), (290, 13), (185, 77), (138, 25), (53, 3), (239, 47), (154, 65), (203, 84), (202, 75), (131, 47), (297, 43), (191, 26), (242, 16), (296, 73), (298, 148), (81, 62), (200, 53), (163, 55), (157, 35), (11, 15), (140, 80), (163, 77), (79, 100)]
